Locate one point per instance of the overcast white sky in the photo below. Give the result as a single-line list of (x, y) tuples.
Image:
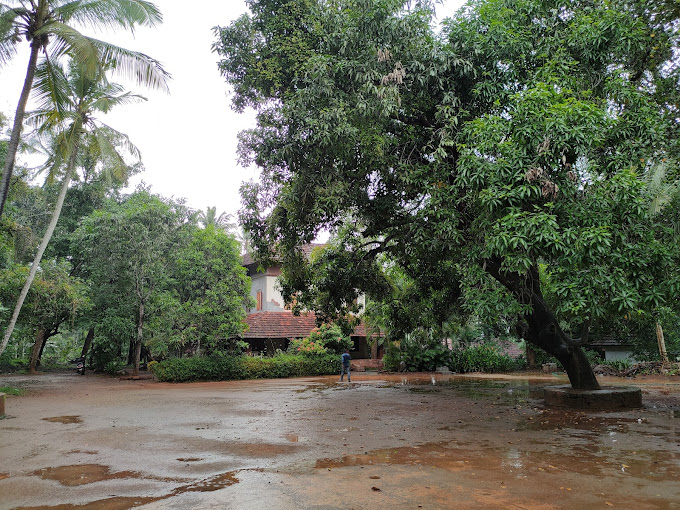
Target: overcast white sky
[(188, 139)]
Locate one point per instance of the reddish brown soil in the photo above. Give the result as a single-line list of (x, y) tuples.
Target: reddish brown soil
[(380, 442)]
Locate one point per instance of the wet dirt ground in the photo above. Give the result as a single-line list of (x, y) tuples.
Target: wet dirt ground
[(382, 441)]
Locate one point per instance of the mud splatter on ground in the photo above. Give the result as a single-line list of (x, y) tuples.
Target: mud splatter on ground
[(64, 419)]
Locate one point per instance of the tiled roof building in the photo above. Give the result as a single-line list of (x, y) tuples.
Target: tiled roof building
[(271, 326)]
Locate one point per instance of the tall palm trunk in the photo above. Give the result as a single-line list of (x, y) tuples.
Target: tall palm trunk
[(13, 145), (43, 245)]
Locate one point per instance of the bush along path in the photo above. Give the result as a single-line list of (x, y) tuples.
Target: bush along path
[(225, 368)]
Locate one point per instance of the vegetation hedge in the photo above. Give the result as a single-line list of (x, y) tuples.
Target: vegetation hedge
[(226, 368), (482, 358)]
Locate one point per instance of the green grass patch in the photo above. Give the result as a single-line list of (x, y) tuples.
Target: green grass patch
[(11, 390)]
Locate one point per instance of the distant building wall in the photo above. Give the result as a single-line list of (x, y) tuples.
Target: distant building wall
[(270, 298), (612, 353)]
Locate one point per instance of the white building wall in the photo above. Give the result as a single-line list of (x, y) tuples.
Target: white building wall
[(272, 301)]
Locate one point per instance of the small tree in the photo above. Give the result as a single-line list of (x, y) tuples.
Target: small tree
[(327, 338), (126, 247), (204, 307)]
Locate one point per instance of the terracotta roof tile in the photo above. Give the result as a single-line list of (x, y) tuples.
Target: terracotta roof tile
[(279, 325)]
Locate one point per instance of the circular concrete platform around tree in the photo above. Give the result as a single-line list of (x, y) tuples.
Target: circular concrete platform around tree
[(609, 397)]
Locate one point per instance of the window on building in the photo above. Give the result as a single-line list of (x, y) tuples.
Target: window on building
[(259, 300)]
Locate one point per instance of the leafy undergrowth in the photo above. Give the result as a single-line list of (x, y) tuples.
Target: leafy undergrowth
[(222, 368), (627, 369)]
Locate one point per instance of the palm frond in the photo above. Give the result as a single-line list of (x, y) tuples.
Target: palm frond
[(105, 103), (11, 27), (52, 145), (113, 162), (104, 14), (659, 189), (134, 65), (68, 40), (121, 140), (94, 54), (51, 87)]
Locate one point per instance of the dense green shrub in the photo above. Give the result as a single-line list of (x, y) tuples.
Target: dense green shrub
[(103, 352), (113, 367), (391, 361), (481, 358), (223, 367), (420, 351), (13, 364), (11, 390)]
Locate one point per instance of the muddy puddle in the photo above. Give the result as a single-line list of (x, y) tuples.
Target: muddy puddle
[(517, 461), (472, 387), (64, 419), (82, 474), (214, 483)]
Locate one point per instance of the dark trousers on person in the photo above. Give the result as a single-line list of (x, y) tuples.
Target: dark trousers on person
[(343, 369)]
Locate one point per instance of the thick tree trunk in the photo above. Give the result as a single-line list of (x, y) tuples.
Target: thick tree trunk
[(140, 337), (541, 328), (544, 332), (37, 349), (131, 352), (662, 343), (531, 356), (88, 343), (47, 336)]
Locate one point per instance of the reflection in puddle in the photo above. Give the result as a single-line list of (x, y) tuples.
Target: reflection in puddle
[(558, 419), (4, 475), (445, 455), (513, 461), (193, 459), (64, 419), (260, 450)]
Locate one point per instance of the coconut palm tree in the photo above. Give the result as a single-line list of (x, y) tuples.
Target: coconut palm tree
[(661, 191), (222, 222), (48, 26), (67, 104)]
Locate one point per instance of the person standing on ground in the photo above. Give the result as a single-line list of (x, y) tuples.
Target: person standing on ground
[(344, 367)]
